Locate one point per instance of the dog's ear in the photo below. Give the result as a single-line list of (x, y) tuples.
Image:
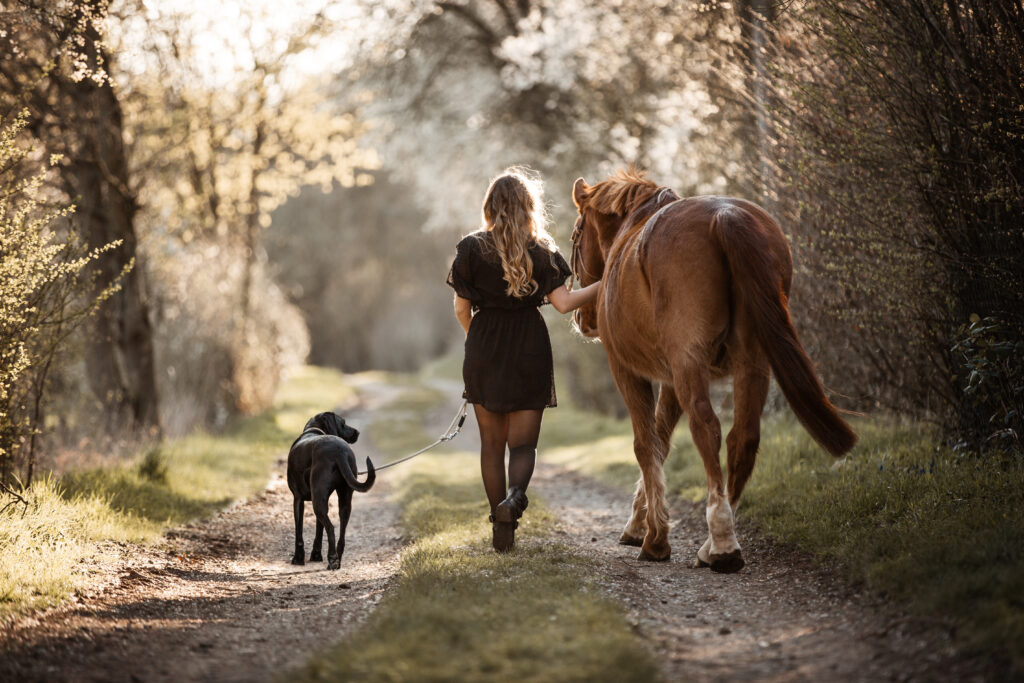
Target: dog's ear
[(351, 434), (338, 425)]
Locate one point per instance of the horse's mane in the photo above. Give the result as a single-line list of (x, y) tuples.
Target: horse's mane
[(621, 192)]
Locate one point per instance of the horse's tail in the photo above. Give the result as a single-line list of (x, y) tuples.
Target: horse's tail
[(350, 477), (758, 282)]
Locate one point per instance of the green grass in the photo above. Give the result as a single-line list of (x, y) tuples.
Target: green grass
[(940, 532), (459, 611), (46, 548)]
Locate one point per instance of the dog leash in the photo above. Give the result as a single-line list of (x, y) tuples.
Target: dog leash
[(454, 427)]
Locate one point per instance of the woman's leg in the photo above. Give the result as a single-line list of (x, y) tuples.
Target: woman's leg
[(493, 437), (523, 433)]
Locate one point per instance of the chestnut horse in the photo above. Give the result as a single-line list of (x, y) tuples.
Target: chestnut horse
[(694, 289)]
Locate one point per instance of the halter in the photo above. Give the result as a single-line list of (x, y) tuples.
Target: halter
[(575, 259)]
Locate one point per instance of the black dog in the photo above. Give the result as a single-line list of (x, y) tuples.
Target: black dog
[(319, 463)]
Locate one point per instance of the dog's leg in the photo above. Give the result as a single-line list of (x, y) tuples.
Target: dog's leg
[(320, 507), (300, 551), (316, 555), (344, 511)]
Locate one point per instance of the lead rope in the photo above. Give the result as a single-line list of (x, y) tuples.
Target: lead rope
[(454, 427)]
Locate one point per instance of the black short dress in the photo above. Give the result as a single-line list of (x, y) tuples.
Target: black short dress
[(508, 362)]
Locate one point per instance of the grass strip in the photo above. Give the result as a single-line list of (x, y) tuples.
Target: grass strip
[(459, 611), (49, 548), (941, 532)]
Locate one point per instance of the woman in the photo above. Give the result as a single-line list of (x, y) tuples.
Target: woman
[(502, 274)]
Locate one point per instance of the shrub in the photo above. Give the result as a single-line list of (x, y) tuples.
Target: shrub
[(44, 296), (900, 153)]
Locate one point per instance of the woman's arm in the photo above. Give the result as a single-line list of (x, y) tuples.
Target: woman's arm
[(564, 301), (464, 312)]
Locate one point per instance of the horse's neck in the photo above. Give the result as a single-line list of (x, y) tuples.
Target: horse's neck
[(634, 221)]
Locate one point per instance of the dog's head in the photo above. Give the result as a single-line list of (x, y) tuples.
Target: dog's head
[(334, 425)]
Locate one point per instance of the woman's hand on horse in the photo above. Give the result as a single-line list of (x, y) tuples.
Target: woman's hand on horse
[(564, 300)]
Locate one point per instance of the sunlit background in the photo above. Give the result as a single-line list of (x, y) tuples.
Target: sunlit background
[(291, 179)]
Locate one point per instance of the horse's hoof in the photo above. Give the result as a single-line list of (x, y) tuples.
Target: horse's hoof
[(700, 564), (648, 557), (297, 559), (626, 539), (727, 563), (316, 557), (334, 564)]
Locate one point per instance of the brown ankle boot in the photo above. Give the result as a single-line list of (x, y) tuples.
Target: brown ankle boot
[(515, 503), (503, 531)]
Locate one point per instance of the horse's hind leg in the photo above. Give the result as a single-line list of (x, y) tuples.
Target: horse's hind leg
[(721, 551), (665, 419), (639, 398), (750, 390)]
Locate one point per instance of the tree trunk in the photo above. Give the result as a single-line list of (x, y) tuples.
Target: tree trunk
[(120, 358)]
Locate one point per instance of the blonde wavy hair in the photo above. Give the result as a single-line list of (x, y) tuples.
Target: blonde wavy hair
[(513, 213)]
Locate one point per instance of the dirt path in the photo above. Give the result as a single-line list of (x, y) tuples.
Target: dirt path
[(782, 618), (779, 619), (218, 600)]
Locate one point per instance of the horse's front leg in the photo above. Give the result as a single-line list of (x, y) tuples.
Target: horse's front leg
[(665, 419), (638, 395)]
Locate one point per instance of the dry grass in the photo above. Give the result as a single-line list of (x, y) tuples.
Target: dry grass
[(46, 549)]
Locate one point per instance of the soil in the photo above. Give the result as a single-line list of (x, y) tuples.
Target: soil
[(218, 600)]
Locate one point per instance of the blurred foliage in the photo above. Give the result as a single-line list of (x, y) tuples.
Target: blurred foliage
[(900, 154), (291, 197), (219, 150), (203, 380), (45, 295), (366, 275), (565, 87), (57, 66)]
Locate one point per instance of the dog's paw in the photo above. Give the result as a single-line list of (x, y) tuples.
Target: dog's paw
[(297, 559), (334, 563), (316, 556)]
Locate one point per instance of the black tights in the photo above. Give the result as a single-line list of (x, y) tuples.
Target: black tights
[(519, 431)]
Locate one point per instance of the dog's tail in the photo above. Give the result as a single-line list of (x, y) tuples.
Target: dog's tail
[(350, 477)]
